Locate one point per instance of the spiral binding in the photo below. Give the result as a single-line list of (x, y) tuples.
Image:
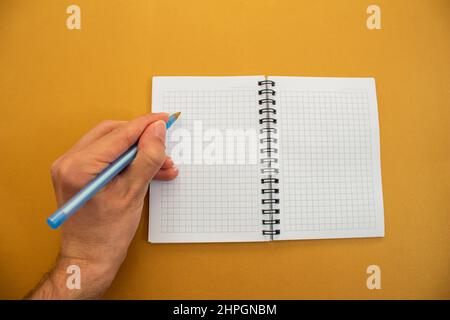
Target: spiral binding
[(269, 181)]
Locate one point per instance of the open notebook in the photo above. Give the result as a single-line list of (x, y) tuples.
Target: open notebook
[(276, 158)]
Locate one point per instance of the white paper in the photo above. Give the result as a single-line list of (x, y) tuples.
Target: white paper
[(207, 202), (330, 176)]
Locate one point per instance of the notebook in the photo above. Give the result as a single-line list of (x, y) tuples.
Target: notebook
[(268, 158)]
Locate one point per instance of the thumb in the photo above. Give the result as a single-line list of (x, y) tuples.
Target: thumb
[(150, 156)]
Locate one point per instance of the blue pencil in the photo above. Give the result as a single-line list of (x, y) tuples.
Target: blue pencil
[(78, 200)]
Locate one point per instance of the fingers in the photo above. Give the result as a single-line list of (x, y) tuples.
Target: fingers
[(150, 158), (168, 163), (97, 132), (168, 171), (167, 174), (112, 145)]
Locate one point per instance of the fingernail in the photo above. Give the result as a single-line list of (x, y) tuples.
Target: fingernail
[(170, 161), (158, 129)]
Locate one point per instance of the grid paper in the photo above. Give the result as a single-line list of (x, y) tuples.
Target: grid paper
[(208, 201), (327, 164)]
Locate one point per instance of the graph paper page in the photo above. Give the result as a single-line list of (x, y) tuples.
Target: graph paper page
[(330, 176), (216, 196)]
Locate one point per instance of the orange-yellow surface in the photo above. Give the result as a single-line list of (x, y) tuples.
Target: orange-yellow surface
[(55, 84)]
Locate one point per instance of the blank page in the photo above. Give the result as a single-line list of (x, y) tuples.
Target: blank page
[(216, 195), (330, 176)]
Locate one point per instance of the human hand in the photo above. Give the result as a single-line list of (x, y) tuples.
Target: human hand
[(97, 237)]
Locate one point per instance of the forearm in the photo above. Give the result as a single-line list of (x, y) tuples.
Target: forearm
[(60, 282)]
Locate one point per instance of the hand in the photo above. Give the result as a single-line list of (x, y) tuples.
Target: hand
[(97, 237)]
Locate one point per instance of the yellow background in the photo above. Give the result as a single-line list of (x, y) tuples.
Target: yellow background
[(55, 84)]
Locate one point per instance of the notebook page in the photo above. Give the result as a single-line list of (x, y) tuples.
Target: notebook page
[(216, 196), (330, 176)]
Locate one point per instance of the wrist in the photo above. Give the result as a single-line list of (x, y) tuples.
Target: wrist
[(101, 256)]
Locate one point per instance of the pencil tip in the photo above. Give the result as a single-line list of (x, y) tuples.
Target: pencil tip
[(177, 114)]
